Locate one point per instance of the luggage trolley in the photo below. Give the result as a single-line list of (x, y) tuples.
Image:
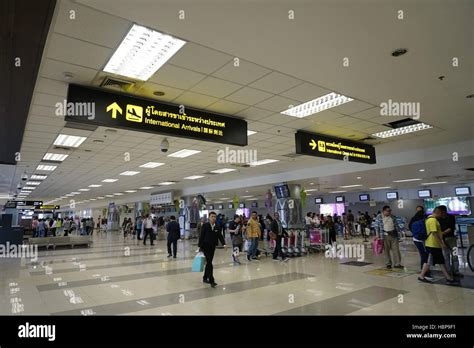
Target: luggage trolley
[(318, 238)]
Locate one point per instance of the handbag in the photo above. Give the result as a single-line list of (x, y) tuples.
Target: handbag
[(198, 263), (377, 246)]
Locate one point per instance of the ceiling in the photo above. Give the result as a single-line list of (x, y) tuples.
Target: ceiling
[(282, 62)]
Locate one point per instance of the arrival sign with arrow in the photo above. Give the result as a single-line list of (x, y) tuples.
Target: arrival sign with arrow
[(118, 110), (319, 145)]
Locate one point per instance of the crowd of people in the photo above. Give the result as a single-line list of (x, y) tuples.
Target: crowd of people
[(53, 227)]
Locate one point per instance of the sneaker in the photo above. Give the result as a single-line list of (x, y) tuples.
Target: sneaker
[(248, 258), (206, 281), (459, 275), (285, 259), (213, 284), (398, 266), (169, 255), (425, 280), (430, 278), (389, 266)]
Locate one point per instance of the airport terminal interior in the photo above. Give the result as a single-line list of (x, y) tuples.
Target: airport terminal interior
[(319, 154)]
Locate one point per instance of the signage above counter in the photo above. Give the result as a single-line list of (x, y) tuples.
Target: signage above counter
[(320, 145), (96, 107)]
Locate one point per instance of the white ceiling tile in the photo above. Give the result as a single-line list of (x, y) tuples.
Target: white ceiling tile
[(148, 88), (244, 73), (277, 103), (278, 119), (86, 22), (249, 96), (324, 116), (199, 58), (367, 114), (305, 92), (352, 107), (54, 69), (194, 100), (253, 113), (276, 83), (177, 77), (48, 100), (226, 107), (51, 87), (215, 87), (77, 52)]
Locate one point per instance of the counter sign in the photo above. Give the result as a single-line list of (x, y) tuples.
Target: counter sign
[(319, 145)]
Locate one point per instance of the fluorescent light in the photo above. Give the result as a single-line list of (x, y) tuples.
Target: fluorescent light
[(406, 180), (421, 170), (359, 177), (46, 167), (129, 173), (146, 187), (109, 195), (142, 52), (337, 191), (225, 198), (69, 195), (118, 194), (250, 132), (349, 186), (151, 165), (131, 191), (434, 183), (84, 189), (109, 180), (27, 188), (246, 196), (34, 183), (57, 157), (194, 177), (379, 188), (69, 140), (223, 170), (183, 153), (314, 106), (94, 185), (76, 193), (38, 177), (167, 183), (100, 197), (262, 162), (93, 199), (310, 190), (403, 130)]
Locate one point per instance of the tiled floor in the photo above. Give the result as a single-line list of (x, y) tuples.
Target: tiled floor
[(123, 277)]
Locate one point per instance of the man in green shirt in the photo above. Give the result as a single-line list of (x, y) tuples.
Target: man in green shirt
[(434, 245)]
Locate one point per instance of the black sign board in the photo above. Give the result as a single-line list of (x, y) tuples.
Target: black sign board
[(319, 145), (230, 206), (254, 205), (48, 206), (220, 206), (97, 107), (340, 199), (318, 200), (20, 204), (211, 207)]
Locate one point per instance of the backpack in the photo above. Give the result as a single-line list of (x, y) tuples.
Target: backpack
[(418, 229)]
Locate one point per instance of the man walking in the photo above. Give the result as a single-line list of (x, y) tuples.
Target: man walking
[(148, 229), (210, 234), (173, 235), (279, 231), (253, 234), (388, 228)]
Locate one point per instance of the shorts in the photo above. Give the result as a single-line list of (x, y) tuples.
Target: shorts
[(435, 256)]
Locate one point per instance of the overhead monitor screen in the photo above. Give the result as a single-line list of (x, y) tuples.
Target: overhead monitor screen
[(455, 205)]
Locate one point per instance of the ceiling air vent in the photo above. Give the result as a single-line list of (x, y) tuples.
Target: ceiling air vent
[(115, 83), (402, 123), (61, 148)]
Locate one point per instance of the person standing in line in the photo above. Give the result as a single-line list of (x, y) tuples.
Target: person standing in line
[(417, 227), (253, 234), (389, 228), (210, 234), (350, 222), (66, 226), (41, 228), (448, 226), (434, 245), (279, 231), (54, 227), (331, 226), (148, 227), (345, 226), (174, 235), (138, 225), (34, 227)]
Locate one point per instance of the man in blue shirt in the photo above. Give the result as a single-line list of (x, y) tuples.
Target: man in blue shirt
[(388, 228)]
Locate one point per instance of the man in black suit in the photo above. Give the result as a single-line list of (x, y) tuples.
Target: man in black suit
[(173, 235), (280, 232), (210, 233)]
